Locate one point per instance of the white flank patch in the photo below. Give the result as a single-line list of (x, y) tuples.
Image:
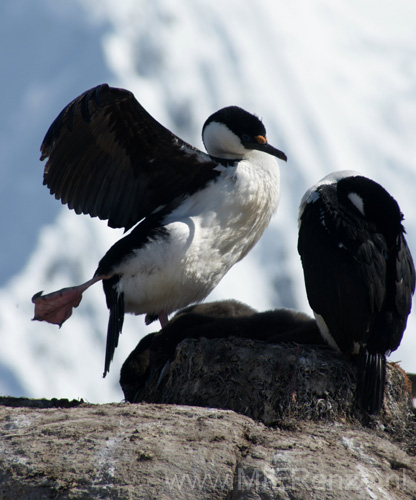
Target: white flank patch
[(326, 334), (357, 201)]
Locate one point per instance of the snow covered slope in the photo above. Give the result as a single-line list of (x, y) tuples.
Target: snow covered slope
[(333, 82)]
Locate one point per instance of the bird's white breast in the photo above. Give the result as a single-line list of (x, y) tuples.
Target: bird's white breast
[(208, 233)]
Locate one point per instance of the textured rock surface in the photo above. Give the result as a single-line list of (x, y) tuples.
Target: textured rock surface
[(294, 433), (270, 382), (149, 451)]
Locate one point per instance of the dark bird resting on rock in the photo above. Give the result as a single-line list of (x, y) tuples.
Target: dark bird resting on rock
[(359, 273), (194, 215)]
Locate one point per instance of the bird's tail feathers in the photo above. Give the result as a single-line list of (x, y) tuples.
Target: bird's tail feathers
[(371, 381), (115, 325)]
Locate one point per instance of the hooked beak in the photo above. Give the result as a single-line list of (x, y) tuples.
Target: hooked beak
[(261, 144)]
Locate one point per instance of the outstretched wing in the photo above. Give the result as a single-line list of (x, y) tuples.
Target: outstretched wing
[(109, 158)]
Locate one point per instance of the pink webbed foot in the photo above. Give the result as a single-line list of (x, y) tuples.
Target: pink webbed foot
[(56, 307)]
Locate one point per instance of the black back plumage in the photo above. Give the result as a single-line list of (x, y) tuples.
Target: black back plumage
[(109, 158), (359, 273)]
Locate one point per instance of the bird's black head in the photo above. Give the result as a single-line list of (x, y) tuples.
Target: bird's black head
[(232, 131), (374, 203)]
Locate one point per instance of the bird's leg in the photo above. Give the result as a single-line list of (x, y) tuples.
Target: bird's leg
[(163, 318), (56, 307)]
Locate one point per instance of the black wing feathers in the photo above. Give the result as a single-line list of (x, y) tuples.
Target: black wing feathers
[(107, 157), (329, 259), (359, 274), (404, 287), (352, 270)]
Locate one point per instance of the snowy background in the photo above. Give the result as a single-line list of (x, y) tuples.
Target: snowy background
[(335, 83)]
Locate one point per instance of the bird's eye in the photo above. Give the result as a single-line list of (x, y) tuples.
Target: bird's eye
[(246, 138)]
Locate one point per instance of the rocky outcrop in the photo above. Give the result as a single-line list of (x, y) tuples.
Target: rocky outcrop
[(165, 452), (270, 366), (240, 406)]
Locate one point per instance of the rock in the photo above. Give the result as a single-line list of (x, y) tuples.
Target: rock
[(265, 418), (273, 383), (271, 366), (149, 451), (215, 320)]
